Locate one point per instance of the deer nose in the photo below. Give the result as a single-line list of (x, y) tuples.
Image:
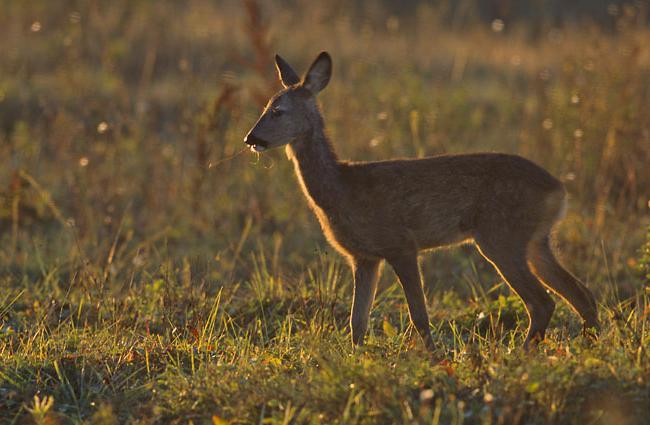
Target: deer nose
[(252, 140)]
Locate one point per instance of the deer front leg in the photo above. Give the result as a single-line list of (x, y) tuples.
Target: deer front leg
[(366, 275), (408, 272)]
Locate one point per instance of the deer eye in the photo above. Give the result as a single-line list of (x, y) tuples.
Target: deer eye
[(276, 112)]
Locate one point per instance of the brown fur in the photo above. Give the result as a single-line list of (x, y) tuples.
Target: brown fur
[(392, 210)]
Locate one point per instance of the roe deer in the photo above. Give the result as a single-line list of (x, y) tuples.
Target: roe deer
[(392, 210)]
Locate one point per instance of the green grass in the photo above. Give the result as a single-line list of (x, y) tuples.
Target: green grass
[(151, 272)]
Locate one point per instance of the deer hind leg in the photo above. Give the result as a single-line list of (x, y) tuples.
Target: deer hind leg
[(408, 273), (510, 262), (546, 266), (366, 275)]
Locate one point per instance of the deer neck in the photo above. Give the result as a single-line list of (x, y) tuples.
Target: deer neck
[(317, 168)]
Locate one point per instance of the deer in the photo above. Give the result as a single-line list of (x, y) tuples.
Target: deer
[(393, 210)]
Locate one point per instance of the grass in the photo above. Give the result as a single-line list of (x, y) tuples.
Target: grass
[(152, 272)]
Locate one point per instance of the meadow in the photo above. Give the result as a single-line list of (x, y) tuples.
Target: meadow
[(153, 270)]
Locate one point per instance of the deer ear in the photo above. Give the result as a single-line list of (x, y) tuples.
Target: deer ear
[(287, 75), (319, 73)]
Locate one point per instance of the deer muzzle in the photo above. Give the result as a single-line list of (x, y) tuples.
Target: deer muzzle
[(255, 143)]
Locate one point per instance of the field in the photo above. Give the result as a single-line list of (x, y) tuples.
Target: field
[(152, 270)]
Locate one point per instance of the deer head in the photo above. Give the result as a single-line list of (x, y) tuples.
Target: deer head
[(290, 115)]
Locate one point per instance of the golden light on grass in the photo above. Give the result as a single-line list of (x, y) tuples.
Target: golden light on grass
[(497, 25), (102, 127), (427, 395), (74, 17)]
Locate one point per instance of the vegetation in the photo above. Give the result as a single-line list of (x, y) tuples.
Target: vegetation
[(151, 270)]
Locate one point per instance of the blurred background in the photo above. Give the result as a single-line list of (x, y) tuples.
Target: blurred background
[(121, 124)]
